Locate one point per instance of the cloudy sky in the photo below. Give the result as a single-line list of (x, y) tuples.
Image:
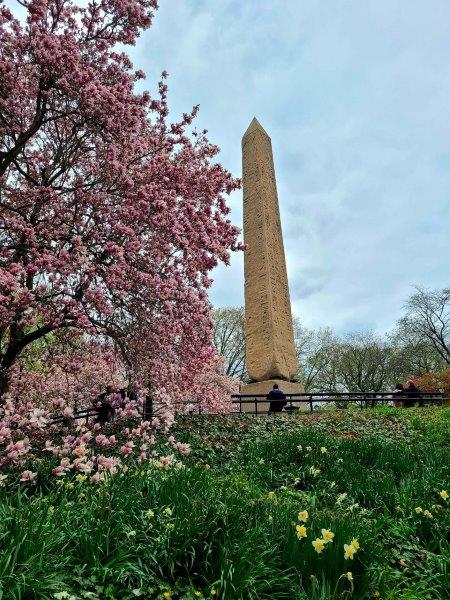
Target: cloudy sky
[(356, 98)]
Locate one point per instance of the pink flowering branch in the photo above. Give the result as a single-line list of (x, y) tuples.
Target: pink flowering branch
[(111, 218)]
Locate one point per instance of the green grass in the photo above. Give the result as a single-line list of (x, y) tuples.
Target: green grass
[(234, 508)]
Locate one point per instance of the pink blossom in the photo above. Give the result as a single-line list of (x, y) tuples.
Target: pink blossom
[(97, 477), (58, 471), (28, 476), (79, 451), (102, 440), (127, 448), (183, 448)]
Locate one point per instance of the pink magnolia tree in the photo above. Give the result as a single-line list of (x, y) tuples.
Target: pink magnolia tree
[(110, 217), (65, 373)]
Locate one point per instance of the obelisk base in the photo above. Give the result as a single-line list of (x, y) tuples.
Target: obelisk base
[(263, 388)]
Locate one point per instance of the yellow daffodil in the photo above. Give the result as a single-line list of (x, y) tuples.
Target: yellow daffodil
[(197, 594), (149, 514), (323, 450), (427, 514), (418, 510), (355, 544), (301, 531), (327, 535), (213, 592), (303, 516), (166, 595), (168, 511), (318, 545), (349, 551), (349, 575), (270, 518), (443, 494), (271, 495), (341, 498)]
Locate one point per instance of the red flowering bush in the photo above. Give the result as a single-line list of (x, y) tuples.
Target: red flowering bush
[(435, 382)]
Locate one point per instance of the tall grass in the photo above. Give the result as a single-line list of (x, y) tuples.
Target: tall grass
[(230, 529)]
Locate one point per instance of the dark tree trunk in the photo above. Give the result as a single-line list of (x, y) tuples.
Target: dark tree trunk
[(4, 381)]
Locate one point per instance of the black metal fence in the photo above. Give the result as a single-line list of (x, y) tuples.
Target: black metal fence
[(258, 403)]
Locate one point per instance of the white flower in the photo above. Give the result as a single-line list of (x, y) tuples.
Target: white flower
[(3, 478), (37, 418)]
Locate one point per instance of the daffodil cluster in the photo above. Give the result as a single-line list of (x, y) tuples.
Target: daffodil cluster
[(351, 549), (302, 532)]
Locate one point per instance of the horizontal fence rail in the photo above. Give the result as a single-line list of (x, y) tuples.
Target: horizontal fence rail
[(364, 399), (259, 403), (79, 414)]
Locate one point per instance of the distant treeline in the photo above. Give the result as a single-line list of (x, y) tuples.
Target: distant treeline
[(358, 361)]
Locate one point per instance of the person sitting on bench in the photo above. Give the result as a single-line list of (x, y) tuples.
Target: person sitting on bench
[(277, 399)]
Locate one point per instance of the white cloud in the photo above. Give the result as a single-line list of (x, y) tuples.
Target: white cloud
[(355, 97)]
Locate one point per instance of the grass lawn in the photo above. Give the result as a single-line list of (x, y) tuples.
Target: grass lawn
[(237, 518)]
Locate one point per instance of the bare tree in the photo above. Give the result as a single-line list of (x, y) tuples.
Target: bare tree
[(364, 363), (357, 362), (428, 318), (413, 355), (229, 339), (316, 352)]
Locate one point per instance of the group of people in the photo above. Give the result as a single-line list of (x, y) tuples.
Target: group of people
[(404, 396), (106, 404)]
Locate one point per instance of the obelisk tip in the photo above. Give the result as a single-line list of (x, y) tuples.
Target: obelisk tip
[(255, 126)]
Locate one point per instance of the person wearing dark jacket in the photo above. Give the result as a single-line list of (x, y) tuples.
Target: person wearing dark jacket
[(412, 392), (277, 399), (105, 409)]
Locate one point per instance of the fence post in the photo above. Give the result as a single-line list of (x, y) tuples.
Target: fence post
[(256, 405), (148, 407), (310, 404), (240, 404)]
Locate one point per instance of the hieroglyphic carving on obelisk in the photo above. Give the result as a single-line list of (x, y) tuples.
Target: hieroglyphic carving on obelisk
[(270, 350)]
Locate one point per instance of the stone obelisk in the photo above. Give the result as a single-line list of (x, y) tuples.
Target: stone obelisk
[(270, 350)]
